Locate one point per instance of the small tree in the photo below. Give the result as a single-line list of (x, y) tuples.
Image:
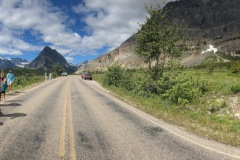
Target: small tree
[(158, 38), (58, 69)]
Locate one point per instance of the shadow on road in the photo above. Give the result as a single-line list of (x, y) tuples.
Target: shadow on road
[(15, 101), (14, 115), (15, 93), (1, 123), (10, 104)]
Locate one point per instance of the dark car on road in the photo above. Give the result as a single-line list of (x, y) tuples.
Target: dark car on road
[(86, 76)]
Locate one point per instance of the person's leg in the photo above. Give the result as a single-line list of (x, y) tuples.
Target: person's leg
[(8, 83), (4, 95), (10, 86)]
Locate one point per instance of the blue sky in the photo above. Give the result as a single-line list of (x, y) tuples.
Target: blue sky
[(78, 29)]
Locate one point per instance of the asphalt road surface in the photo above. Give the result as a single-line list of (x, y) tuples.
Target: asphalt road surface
[(70, 118)]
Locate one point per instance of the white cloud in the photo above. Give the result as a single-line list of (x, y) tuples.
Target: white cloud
[(112, 21), (11, 44), (69, 59), (17, 17), (62, 50), (109, 22)]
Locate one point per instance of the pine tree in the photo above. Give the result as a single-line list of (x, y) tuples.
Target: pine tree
[(158, 39)]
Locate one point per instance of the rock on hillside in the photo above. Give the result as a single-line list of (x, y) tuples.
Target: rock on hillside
[(207, 22), (122, 55)]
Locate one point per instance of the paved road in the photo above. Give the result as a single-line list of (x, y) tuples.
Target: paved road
[(69, 118)]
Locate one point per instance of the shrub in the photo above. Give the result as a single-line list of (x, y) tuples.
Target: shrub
[(142, 88), (235, 88), (216, 105), (156, 72), (114, 75), (17, 81), (182, 91), (235, 127), (235, 67), (164, 84), (203, 86)]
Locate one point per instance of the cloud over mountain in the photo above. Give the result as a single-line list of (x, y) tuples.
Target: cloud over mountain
[(79, 28)]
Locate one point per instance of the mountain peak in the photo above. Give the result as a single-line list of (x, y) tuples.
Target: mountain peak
[(47, 58), (52, 54), (47, 48)]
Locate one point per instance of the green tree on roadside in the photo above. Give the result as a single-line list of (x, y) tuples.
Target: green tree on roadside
[(57, 69), (158, 39)]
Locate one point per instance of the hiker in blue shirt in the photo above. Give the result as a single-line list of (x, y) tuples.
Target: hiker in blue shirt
[(10, 80), (4, 87)]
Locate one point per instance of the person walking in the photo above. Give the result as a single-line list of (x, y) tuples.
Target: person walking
[(4, 87), (46, 76), (50, 76), (10, 80), (2, 76)]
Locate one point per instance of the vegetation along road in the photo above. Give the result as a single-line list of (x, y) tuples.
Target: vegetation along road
[(70, 118)]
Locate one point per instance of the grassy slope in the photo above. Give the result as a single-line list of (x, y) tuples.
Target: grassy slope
[(218, 126)]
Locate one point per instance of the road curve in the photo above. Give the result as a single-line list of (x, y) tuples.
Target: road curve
[(71, 118)]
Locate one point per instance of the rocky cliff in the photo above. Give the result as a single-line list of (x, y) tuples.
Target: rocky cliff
[(123, 55), (212, 27), (208, 22)]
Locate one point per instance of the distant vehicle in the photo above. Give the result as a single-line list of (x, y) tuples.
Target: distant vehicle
[(86, 76), (64, 74)]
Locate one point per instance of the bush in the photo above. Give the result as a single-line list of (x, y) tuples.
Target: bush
[(235, 88), (203, 86), (114, 75), (17, 81), (156, 72), (216, 105), (164, 84), (183, 91), (235, 67)]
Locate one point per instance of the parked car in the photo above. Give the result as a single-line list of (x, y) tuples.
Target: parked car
[(82, 74), (64, 74), (86, 76)]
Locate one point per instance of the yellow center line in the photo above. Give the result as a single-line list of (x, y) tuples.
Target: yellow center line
[(72, 138), (62, 146), (63, 129)]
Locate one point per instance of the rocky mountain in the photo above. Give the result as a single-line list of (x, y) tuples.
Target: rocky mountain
[(212, 27), (19, 62), (47, 58), (12, 62), (209, 24)]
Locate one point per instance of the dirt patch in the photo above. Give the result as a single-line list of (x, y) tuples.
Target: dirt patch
[(233, 106)]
